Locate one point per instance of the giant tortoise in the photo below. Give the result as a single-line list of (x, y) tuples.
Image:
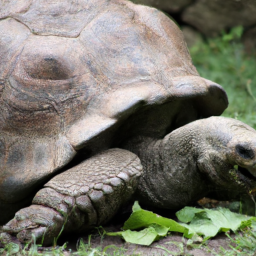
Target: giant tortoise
[(100, 104)]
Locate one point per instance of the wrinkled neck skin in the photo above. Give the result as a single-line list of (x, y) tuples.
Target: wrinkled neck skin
[(185, 165), (170, 174)]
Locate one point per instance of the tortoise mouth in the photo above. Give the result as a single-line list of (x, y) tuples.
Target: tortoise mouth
[(246, 174), (243, 177)]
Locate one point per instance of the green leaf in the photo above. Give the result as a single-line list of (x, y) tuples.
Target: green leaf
[(187, 214), (161, 230), (136, 207), (143, 219), (209, 222), (196, 222), (144, 237), (154, 226)]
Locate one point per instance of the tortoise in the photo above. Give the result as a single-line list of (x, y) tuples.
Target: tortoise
[(101, 104)]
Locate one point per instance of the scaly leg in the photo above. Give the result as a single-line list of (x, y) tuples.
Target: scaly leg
[(82, 197)]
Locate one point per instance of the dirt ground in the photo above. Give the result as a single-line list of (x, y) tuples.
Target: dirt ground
[(173, 244)]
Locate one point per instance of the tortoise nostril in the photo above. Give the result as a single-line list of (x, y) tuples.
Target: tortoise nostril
[(244, 151)]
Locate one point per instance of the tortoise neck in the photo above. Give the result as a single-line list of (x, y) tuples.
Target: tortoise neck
[(170, 176)]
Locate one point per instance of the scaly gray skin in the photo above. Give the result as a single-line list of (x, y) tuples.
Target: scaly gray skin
[(177, 170)]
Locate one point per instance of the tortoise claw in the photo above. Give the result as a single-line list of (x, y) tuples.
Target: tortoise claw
[(27, 235), (36, 221)]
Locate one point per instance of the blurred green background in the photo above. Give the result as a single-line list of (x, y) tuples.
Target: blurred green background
[(224, 61)]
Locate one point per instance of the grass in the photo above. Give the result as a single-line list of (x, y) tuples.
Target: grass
[(83, 249), (243, 244), (224, 61)]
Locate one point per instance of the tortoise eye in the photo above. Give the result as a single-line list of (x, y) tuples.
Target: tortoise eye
[(48, 68)]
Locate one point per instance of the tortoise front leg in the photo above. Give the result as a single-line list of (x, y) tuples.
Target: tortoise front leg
[(85, 196)]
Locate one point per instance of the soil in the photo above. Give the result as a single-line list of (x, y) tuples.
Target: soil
[(173, 244)]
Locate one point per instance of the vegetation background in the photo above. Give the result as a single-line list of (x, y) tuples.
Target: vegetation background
[(224, 61)]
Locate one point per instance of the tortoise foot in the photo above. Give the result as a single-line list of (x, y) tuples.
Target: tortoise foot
[(79, 199), (40, 222)]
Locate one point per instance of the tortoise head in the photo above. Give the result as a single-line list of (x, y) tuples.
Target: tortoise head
[(228, 155)]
